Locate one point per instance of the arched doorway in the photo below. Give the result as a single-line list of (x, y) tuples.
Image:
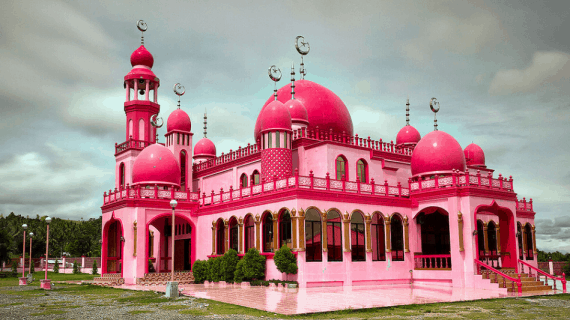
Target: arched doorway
[(505, 249), (529, 243), (480, 240), (112, 247), (434, 224), (160, 257)]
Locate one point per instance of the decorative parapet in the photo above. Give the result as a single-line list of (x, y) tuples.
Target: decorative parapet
[(155, 192), (225, 158), (130, 144), (462, 179), (523, 205)]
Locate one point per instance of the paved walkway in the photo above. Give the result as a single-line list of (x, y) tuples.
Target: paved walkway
[(309, 300)]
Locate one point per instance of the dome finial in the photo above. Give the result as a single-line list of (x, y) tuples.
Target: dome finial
[(408, 111), (179, 90), (205, 122), (141, 25), (275, 75), (292, 81), (434, 106), (303, 49)]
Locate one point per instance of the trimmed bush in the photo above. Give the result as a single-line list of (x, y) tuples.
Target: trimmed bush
[(253, 265), (76, 267), (228, 265), (200, 271), (238, 274), (285, 261), (209, 264), (216, 269), (56, 266), (94, 270)]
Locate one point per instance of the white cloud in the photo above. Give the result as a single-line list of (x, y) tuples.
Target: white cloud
[(546, 67)]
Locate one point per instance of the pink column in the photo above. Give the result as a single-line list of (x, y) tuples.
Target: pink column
[(24, 254)]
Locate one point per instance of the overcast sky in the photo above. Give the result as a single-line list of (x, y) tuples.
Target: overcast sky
[(500, 69)]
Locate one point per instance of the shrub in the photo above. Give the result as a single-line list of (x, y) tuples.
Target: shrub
[(76, 267), (228, 265), (253, 265), (150, 266), (209, 264), (56, 266), (566, 269), (94, 270), (200, 271), (285, 261), (32, 269), (216, 269), (14, 270), (238, 274)]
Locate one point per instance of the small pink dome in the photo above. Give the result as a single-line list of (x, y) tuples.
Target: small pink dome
[(156, 165), (297, 111), (275, 117), (178, 120), (324, 108), (474, 155), (141, 56), (205, 148), (437, 152), (408, 135)]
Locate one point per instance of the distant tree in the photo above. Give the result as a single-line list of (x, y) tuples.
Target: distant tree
[(76, 267), (56, 266), (94, 270), (14, 270)]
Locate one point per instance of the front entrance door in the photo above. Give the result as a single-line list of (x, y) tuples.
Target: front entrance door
[(179, 255)]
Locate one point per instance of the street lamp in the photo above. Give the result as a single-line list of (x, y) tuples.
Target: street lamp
[(23, 280), (45, 284), (30, 269), (172, 287)]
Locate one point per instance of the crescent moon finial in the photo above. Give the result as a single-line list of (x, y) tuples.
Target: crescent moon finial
[(434, 106), (275, 75), (155, 121), (179, 90), (141, 25), (303, 48)]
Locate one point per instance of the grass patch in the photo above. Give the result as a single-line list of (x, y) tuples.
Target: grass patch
[(195, 312), (173, 307), (13, 281), (10, 304), (47, 313), (140, 311)]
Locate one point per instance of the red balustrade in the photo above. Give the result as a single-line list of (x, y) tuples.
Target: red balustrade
[(432, 261), (224, 158), (485, 270), (131, 144), (539, 272), (462, 179)]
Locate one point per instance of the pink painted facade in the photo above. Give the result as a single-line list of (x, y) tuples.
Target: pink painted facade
[(355, 210)]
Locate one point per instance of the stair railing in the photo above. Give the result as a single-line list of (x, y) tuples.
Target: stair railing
[(538, 271), (489, 269)]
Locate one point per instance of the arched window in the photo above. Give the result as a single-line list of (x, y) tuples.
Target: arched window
[(492, 239), (255, 177), (122, 175), (341, 168), (267, 222), (397, 233), (131, 128), (243, 180), (234, 234), (481, 239), (183, 170), (221, 239), (313, 229), (277, 139), (357, 237), (249, 233), (150, 244), (529, 246), (269, 140), (285, 229), (334, 236), (141, 130), (188, 229), (362, 171), (378, 238), (520, 240)]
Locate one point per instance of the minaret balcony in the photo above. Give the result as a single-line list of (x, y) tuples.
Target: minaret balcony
[(131, 144), (148, 193)]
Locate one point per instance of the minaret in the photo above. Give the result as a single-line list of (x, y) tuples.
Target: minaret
[(141, 107), (298, 112), (276, 151)]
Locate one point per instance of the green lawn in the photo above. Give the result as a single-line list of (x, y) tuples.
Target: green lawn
[(11, 281)]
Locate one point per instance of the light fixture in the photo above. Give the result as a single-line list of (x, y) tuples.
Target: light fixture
[(475, 232), (173, 203), (25, 226), (48, 220)]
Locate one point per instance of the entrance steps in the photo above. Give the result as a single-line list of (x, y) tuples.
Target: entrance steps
[(158, 279), (109, 279), (528, 283)]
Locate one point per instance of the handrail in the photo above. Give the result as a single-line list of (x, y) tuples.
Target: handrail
[(563, 279), (513, 280)]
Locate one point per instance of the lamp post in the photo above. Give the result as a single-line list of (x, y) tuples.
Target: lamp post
[(45, 284), (171, 286), (30, 269), (25, 226)]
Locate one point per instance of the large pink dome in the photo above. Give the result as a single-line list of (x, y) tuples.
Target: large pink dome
[(437, 152), (141, 56), (408, 135), (156, 165), (275, 117), (474, 155), (178, 120), (205, 148), (297, 111), (324, 108)]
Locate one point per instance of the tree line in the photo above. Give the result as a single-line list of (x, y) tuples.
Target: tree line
[(74, 238)]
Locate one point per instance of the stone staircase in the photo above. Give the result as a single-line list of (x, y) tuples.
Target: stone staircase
[(109, 279), (157, 279), (528, 283)]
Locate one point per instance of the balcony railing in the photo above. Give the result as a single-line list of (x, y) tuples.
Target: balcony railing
[(131, 144), (138, 192), (523, 205), (224, 158), (307, 183), (460, 179), (432, 261)]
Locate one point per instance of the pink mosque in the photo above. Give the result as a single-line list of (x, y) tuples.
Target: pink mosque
[(354, 210)]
